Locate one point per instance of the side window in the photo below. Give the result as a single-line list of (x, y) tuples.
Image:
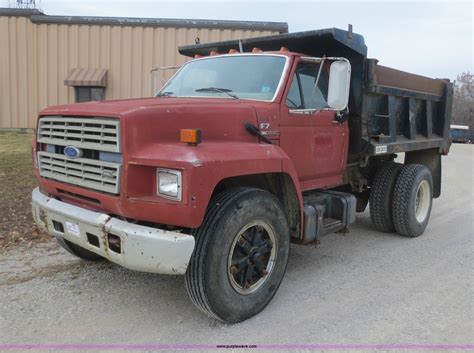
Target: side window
[(293, 99), (312, 95)]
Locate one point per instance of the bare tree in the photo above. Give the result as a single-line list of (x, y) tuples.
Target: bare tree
[(463, 100)]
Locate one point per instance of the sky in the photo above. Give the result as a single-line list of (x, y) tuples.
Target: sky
[(431, 38)]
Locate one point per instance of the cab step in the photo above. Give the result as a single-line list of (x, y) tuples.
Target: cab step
[(326, 212)]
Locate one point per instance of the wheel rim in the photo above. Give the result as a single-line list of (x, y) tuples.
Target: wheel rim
[(252, 257), (422, 201)]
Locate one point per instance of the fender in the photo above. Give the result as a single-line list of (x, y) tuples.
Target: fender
[(203, 167)]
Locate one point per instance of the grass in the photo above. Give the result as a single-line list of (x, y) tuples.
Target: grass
[(16, 183)]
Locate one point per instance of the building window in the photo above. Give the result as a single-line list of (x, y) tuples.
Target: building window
[(86, 94), (89, 84)]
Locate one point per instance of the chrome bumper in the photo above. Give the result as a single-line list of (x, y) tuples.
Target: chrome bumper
[(141, 248)]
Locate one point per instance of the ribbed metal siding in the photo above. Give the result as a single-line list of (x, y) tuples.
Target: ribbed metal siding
[(36, 58)]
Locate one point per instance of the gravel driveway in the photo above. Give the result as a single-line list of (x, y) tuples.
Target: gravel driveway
[(362, 287)]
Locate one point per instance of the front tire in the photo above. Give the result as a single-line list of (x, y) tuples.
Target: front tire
[(240, 256), (412, 201)]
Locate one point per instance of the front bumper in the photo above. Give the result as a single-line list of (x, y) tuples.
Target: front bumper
[(141, 248)]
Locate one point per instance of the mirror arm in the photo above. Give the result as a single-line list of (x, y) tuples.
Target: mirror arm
[(155, 70), (319, 75)]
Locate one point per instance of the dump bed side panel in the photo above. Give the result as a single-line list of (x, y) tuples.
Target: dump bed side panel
[(386, 76), (404, 112)]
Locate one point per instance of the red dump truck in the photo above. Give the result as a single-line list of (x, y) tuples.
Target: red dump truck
[(251, 145)]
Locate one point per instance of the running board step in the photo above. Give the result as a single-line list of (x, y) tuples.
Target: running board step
[(327, 212)]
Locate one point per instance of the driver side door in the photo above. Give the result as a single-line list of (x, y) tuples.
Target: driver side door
[(310, 135)]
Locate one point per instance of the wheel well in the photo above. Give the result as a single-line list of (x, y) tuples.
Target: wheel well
[(279, 184), (432, 160)]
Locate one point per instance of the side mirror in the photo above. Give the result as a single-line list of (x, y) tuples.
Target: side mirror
[(339, 84)]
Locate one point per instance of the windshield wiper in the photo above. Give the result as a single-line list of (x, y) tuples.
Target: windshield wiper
[(255, 131), (164, 94), (218, 90)]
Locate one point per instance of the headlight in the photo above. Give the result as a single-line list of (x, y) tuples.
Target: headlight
[(168, 183)]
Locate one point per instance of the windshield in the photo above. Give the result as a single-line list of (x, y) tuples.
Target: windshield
[(240, 76)]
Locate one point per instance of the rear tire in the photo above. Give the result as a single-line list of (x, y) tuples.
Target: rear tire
[(240, 255), (381, 196), (78, 251), (413, 199)]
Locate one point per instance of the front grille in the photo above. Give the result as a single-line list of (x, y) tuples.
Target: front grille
[(99, 134), (98, 140), (88, 173)]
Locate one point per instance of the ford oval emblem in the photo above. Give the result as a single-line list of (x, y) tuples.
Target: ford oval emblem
[(72, 152)]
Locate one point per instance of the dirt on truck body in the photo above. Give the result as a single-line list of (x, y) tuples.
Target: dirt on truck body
[(251, 145)]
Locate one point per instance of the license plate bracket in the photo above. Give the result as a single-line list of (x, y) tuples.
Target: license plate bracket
[(73, 229)]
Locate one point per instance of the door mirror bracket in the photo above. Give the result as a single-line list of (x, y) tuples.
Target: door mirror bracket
[(342, 116)]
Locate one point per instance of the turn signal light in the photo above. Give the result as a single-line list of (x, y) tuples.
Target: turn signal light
[(190, 136)]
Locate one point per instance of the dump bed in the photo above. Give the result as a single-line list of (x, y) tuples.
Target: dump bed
[(389, 110), (405, 112)]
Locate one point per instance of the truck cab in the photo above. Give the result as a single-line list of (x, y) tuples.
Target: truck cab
[(248, 147)]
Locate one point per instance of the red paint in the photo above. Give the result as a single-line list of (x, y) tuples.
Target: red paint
[(311, 149)]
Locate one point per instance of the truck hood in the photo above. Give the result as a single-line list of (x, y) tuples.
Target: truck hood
[(120, 107), (159, 120)]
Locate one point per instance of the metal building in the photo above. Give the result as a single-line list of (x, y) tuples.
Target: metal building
[(48, 60)]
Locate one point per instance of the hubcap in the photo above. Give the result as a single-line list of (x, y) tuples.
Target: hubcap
[(422, 201), (251, 257)]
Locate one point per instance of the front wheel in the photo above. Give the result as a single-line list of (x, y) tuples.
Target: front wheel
[(412, 200), (240, 255)]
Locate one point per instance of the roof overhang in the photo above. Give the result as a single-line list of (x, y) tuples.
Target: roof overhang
[(281, 27), (39, 17), (7, 11)]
